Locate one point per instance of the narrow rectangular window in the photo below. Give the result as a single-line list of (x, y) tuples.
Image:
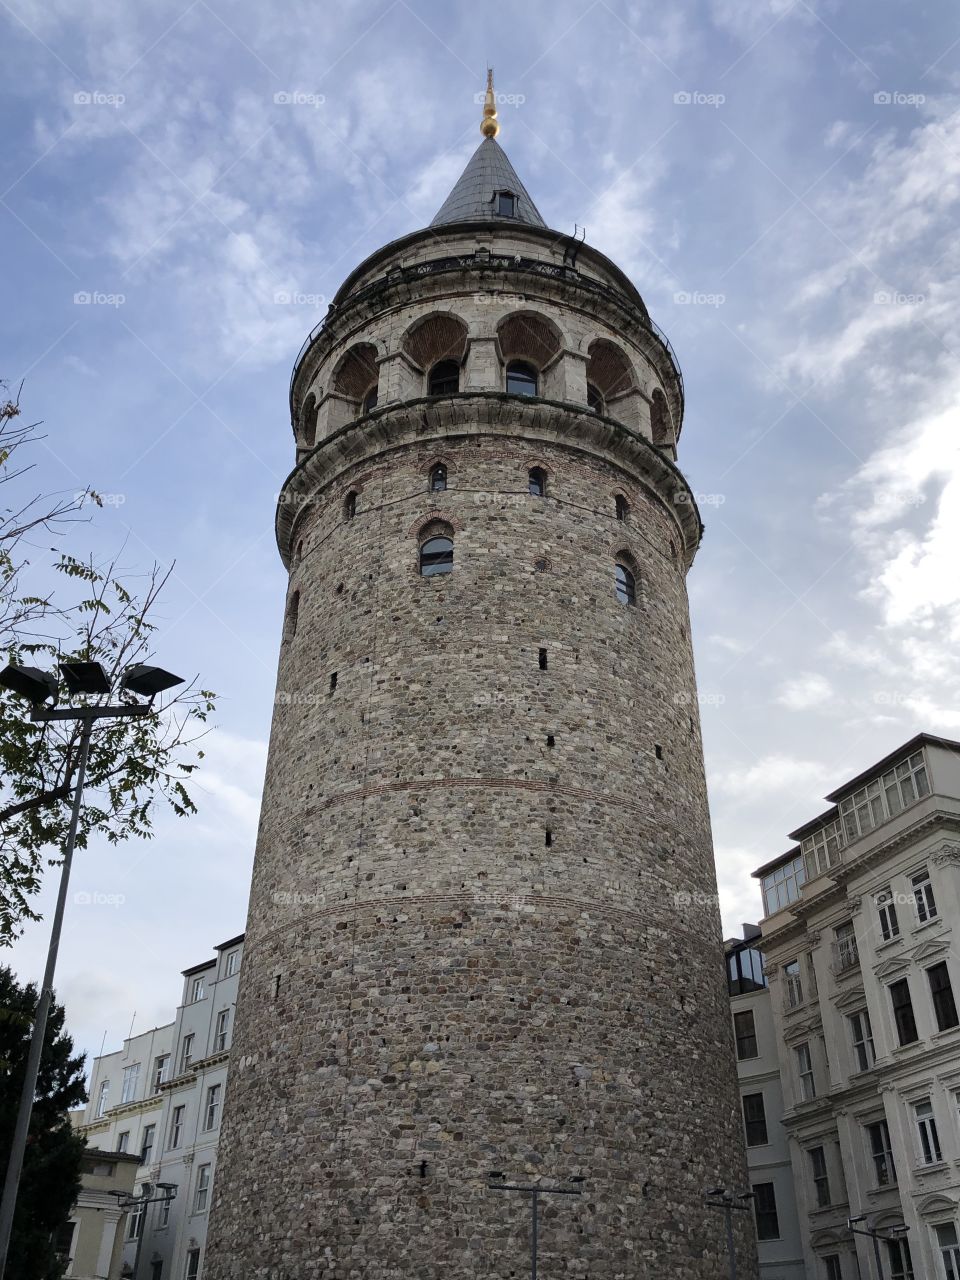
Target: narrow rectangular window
[(794, 984), (831, 1267), (146, 1146), (949, 1247), (202, 1194), (923, 897), (821, 1179), (808, 1084), (192, 1269), (161, 1070), (548, 837), (186, 1052), (901, 1264), (847, 953), (884, 1172), (765, 1208), (887, 915), (135, 1221), (333, 681), (123, 1140), (156, 1269), (944, 1005), (903, 1012), (212, 1111), (543, 659), (131, 1078), (927, 1132), (233, 963), (861, 1033), (103, 1097), (755, 1119), (176, 1127), (746, 1034), (196, 990), (220, 1036)]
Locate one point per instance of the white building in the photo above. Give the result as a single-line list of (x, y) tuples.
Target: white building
[(860, 942), (761, 1099), (161, 1096)]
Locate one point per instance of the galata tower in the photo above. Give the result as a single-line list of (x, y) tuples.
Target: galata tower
[(483, 946)]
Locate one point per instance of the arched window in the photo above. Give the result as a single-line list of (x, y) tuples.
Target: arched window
[(444, 379), (438, 478), (537, 482), (623, 507), (293, 612), (436, 556), (350, 506), (626, 584), (594, 399), (357, 374), (521, 379), (370, 399), (659, 418)]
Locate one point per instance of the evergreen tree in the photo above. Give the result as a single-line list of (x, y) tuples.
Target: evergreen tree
[(50, 1181)]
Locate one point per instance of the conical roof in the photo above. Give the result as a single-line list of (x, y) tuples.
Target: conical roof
[(472, 198)]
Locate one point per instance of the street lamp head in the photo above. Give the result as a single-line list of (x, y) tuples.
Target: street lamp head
[(30, 683), (899, 1229), (84, 677), (148, 681)]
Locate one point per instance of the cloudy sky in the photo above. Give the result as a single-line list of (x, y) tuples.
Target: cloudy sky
[(780, 178)]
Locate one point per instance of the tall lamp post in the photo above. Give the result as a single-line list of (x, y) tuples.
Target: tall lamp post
[(729, 1200), (876, 1234), (534, 1191), (81, 679)]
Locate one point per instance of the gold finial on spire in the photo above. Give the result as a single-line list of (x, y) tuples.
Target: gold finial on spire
[(489, 125)]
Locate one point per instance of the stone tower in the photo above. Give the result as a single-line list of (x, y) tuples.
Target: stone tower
[(483, 931)]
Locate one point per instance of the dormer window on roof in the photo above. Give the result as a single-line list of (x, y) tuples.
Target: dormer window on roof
[(506, 204)]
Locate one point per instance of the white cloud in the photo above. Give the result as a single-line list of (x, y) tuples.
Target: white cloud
[(805, 691)]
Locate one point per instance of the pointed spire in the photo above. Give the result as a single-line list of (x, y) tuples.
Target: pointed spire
[(489, 125)]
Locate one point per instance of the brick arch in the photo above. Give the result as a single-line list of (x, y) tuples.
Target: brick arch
[(307, 428), (434, 517), (441, 335), (356, 372), (609, 368), (660, 424), (529, 335)]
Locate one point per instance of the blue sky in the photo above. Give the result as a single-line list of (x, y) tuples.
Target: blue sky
[(780, 178)]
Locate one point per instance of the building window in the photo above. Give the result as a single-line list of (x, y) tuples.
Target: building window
[(135, 1220), (438, 478), (884, 1172), (506, 204), (444, 378), (350, 506), (176, 1127), (887, 913), (949, 1247), (944, 1005), (131, 1078), (821, 850), (862, 811), (625, 585), (831, 1266), (745, 971), (521, 379), (370, 399), (156, 1269), (905, 784), (161, 1070), (927, 1132), (186, 1051), (923, 896), (623, 507), (821, 1179), (220, 1035), (782, 885), (537, 482), (808, 1084), (202, 1194), (903, 1011), (793, 984), (436, 556), (102, 1097), (765, 1209), (123, 1140), (163, 1212), (862, 1035), (845, 947), (196, 990), (594, 399), (754, 1120), (192, 1269), (233, 964), (901, 1264), (746, 1034), (212, 1111), (146, 1147)]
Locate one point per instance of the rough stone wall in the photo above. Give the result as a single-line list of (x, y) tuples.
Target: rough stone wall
[(432, 991)]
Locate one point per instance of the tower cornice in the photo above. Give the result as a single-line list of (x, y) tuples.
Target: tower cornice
[(485, 413)]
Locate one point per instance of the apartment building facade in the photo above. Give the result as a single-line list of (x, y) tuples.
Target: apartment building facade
[(860, 944), (161, 1097), (769, 1165)]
